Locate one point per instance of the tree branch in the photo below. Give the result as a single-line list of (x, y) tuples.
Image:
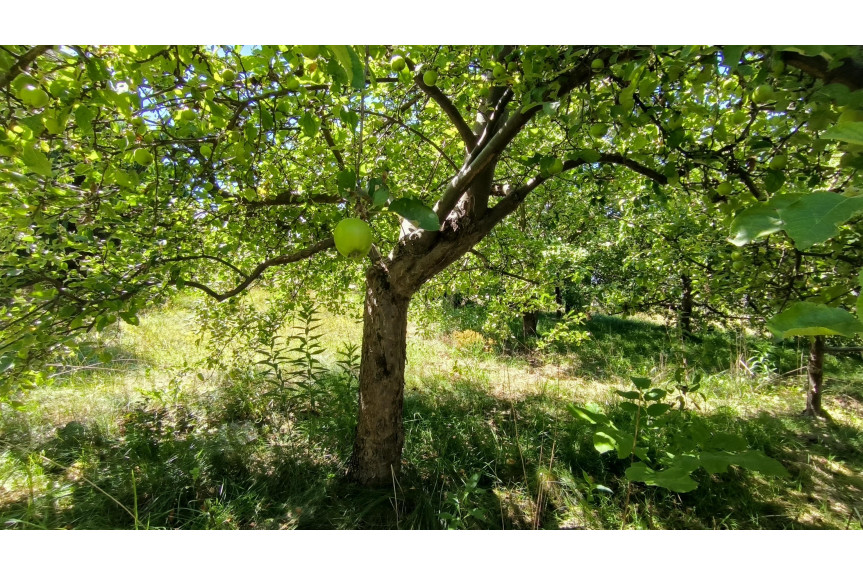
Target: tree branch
[(276, 261), (849, 73), (482, 257), (467, 135), (22, 64), (413, 130)]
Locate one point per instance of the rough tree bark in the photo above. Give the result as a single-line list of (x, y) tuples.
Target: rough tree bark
[(376, 457), (816, 379)]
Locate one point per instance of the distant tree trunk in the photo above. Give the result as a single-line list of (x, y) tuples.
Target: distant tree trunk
[(529, 320), (376, 457), (558, 299), (686, 306), (816, 379)]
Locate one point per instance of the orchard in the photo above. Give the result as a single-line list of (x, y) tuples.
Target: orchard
[(717, 182)]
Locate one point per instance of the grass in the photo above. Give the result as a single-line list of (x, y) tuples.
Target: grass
[(159, 438)]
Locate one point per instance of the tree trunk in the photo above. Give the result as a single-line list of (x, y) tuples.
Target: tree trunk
[(528, 323), (816, 378), (376, 457), (686, 306)]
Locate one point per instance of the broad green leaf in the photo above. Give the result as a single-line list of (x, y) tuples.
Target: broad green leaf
[(37, 162), (129, 317), (641, 382), (380, 196), (726, 442), (757, 461), (351, 64), (309, 124), (588, 415), (657, 409), (773, 181), (759, 220), (851, 132), (675, 479), (715, 462), (640, 472), (628, 406), (346, 179), (807, 318), (628, 394), (603, 442), (416, 212), (655, 394), (731, 56), (815, 218)]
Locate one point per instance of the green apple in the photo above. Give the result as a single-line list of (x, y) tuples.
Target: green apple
[(143, 156), (597, 64), (430, 77), (598, 130), (778, 162), (33, 96), (724, 189), (353, 238), (228, 76), (498, 71), (763, 94), (398, 63), (738, 265), (187, 115)]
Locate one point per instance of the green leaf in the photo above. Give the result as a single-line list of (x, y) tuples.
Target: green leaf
[(715, 462), (37, 162), (416, 212), (641, 382), (591, 416), (603, 442), (346, 179), (640, 472), (807, 318), (351, 64), (773, 181), (815, 218), (628, 394), (130, 317), (310, 124), (657, 409), (760, 220), (655, 394), (757, 461), (628, 406), (731, 56), (675, 479), (851, 132), (726, 442)]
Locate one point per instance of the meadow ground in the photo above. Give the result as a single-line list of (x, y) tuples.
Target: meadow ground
[(141, 431)]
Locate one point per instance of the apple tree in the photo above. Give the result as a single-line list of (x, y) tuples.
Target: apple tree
[(129, 172)]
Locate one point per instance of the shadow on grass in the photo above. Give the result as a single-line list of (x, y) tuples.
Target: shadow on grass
[(472, 460)]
